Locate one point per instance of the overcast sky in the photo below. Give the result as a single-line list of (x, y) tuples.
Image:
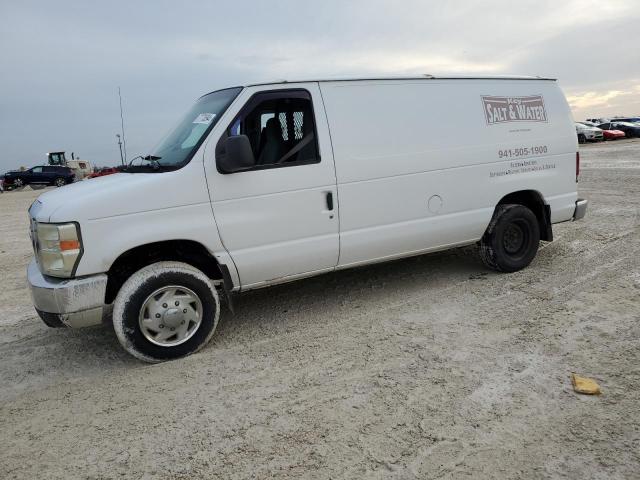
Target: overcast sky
[(63, 61)]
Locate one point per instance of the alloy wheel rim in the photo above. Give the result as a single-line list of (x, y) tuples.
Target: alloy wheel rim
[(170, 316)]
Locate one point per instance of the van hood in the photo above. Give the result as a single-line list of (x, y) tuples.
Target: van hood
[(77, 199), (112, 195)]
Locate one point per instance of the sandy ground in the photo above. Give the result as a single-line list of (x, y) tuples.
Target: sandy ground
[(430, 367)]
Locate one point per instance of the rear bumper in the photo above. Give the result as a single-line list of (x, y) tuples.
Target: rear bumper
[(581, 209), (75, 302)]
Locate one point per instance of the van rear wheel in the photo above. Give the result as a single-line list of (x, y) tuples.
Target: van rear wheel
[(511, 240), (164, 311)]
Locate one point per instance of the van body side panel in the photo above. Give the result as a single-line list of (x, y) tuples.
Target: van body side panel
[(419, 166), (274, 222)]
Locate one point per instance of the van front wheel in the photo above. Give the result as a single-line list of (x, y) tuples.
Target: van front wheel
[(511, 240), (165, 310)]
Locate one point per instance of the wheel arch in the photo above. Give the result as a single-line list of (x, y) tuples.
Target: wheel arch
[(534, 201), (187, 251)]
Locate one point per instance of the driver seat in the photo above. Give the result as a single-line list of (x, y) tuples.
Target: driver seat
[(274, 147)]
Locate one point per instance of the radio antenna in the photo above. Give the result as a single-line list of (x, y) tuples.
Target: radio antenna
[(124, 142)]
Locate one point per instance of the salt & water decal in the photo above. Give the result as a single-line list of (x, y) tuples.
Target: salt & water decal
[(514, 109)]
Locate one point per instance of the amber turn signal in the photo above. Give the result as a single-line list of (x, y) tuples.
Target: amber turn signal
[(69, 245)]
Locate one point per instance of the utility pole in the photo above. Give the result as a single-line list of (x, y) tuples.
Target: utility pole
[(120, 145), (124, 141)]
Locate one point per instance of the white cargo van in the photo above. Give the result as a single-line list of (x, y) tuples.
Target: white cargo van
[(269, 183)]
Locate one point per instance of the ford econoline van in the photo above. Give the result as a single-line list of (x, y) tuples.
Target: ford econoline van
[(269, 183)]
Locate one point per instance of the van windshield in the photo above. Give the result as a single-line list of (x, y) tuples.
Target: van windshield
[(179, 146)]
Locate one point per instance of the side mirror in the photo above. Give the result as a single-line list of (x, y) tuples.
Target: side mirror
[(238, 155)]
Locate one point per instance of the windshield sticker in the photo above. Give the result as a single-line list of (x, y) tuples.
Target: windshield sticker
[(514, 109), (205, 118)]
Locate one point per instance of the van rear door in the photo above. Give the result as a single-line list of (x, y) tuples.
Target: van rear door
[(277, 218)]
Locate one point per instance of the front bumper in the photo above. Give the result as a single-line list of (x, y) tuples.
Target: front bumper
[(581, 209), (74, 302)]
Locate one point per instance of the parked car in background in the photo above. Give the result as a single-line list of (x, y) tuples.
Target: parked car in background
[(626, 119), (40, 175), (103, 171), (613, 134), (597, 121), (607, 134), (629, 129), (587, 133)]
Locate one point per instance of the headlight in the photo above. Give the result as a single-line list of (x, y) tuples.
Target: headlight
[(58, 248)]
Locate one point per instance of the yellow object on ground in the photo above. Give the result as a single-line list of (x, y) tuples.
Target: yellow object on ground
[(585, 385)]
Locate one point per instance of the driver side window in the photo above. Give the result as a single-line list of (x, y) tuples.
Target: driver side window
[(280, 129)]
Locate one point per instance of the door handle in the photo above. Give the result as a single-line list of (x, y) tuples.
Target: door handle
[(330, 201)]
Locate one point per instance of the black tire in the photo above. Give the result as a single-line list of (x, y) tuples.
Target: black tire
[(582, 138), (18, 183), (59, 182), (137, 290), (511, 240)]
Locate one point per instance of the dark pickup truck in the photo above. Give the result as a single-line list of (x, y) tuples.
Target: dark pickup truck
[(41, 175)]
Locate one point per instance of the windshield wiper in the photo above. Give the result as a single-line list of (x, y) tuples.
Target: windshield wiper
[(153, 166), (150, 168), (153, 160)]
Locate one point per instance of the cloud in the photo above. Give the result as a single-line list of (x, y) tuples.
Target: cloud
[(594, 99), (623, 99)]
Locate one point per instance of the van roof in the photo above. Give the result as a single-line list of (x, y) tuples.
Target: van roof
[(425, 76)]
